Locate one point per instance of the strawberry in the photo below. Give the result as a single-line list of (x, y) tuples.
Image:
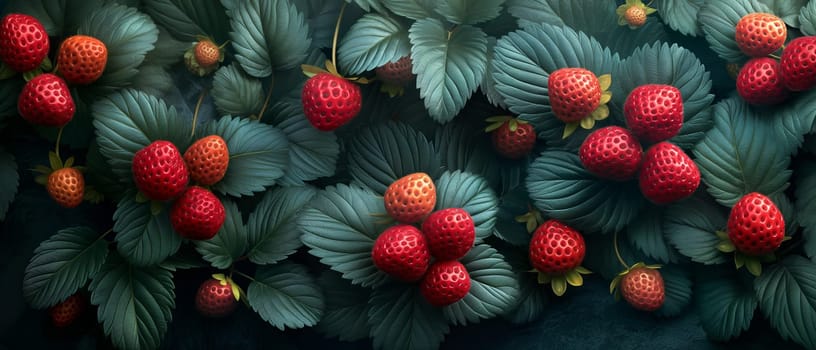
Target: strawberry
[(215, 299), (450, 233), (410, 198), (207, 159), (396, 73), (611, 152), (203, 57), (574, 93), (445, 283), (198, 214), (46, 100), (402, 252), (82, 59), (66, 312), (635, 16), (66, 186), (330, 101), (755, 225), (667, 174), (798, 63), (24, 42), (760, 34), (514, 142), (556, 248), (654, 112), (159, 171), (760, 82), (643, 288)]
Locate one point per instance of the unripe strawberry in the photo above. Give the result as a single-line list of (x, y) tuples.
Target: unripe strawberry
[(203, 57), (207, 159), (643, 288), (410, 198), (66, 186), (82, 59)]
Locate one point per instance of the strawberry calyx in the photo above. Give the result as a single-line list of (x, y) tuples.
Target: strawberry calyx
[(54, 163), (633, 13), (600, 113), (531, 219), (499, 120), (310, 71), (203, 68), (613, 286), (753, 263), (560, 282), (237, 292)]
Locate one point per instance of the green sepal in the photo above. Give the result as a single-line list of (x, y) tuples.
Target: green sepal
[(42, 169), (41, 179), (141, 197), (559, 285), (530, 219), (754, 266), (574, 278), (46, 65), (499, 120), (569, 129), (54, 160), (156, 207), (68, 162), (726, 247), (27, 76), (92, 195), (544, 278)]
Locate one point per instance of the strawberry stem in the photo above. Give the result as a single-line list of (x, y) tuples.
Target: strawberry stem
[(59, 138), (337, 33), (617, 251), (106, 233), (243, 275), (197, 108), (266, 100)]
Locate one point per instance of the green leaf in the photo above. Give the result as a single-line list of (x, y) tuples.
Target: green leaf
[(413, 9), (9, 181), (718, 20), (60, 18), (373, 41), (524, 60), (681, 15), (321, 17), (532, 300), (272, 230), (725, 302), (601, 258), (128, 120), (142, 238), (286, 296), (167, 51), (381, 154), (236, 93), (460, 146), (787, 296), (472, 193), (531, 13), (268, 35), (229, 243), (340, 228), (183, 260), (346, 314), (741, 154), (807, 17), (135, 303), (678, 291), (793, 121), (511, 205), (449, 65), (128, 35), (368, 5), (788, 10), (493, 287), (259, 153), (691, 226), (400, 318), (62, 264), (153, 80), (675, 66), (469, 11), (562, 189), (806, 204), (312, 153), (646, 233), (488, 84), (187, 19)]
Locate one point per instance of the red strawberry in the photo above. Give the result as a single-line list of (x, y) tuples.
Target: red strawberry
[(755, 225), (330, 101), (46, 100), (760, 82), (574, 93), (643, 288), (445, 283), (450, 233), (24, 42), (198, 214), (207, 159), (611, 152), (798, 63), (654, 112), (556, 248), (401, 251), (760, 34), (82, 59), (66, 186), (514, 144), (396, 73), (159, 171), (410, 198), (215, 298), (65, 313), (668, 174)]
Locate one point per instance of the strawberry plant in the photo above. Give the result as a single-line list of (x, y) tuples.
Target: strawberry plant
[(176, 173)]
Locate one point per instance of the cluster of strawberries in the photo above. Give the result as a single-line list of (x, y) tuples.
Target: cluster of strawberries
[(766, 79), (405, 252), (46, 99)]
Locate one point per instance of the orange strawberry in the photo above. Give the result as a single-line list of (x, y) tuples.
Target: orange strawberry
[(635, 16), (82, 59), (67, 187), (410, 198), (760, 34), (203, 57), (207, 160), (642, 287)]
